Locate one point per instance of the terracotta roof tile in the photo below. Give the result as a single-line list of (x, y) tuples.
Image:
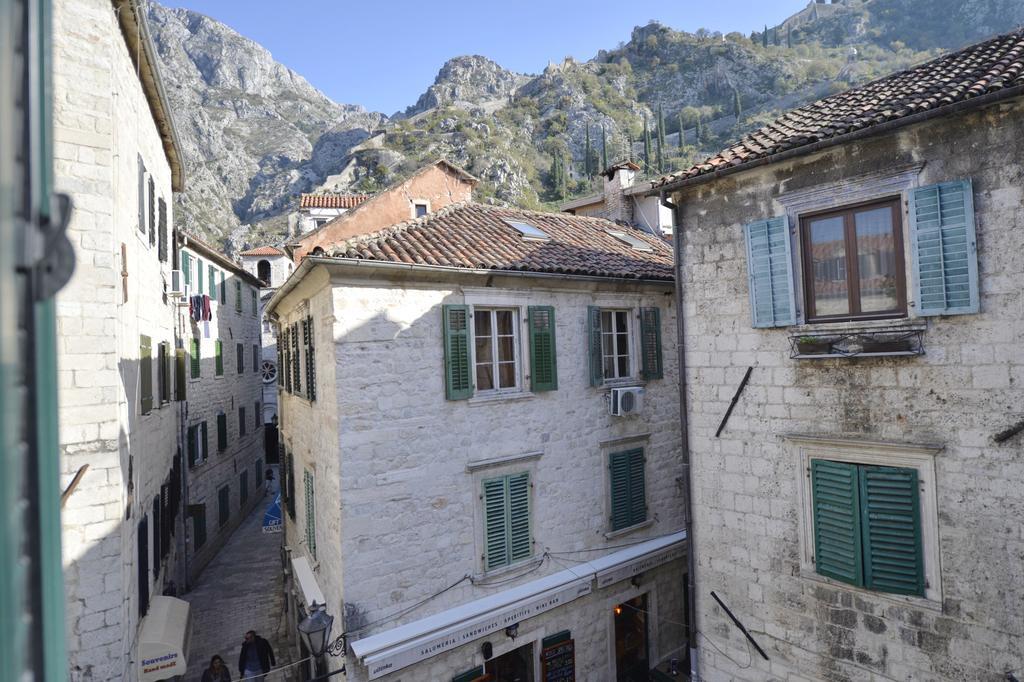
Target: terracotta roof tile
[(263, 251), (980, 69), (332, 200), (476, 236)]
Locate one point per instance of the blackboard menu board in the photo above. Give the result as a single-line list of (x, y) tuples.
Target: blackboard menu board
[(558, 662)]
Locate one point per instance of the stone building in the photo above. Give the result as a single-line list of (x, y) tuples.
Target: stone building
[(116, 155), (459, 493), (623, 200), (860, 511), (316, 210), (427, 190), (224, 453)]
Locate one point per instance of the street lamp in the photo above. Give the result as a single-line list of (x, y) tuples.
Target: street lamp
[(315, 630)]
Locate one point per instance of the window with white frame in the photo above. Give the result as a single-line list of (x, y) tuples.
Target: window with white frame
[(615, 344), (869, 516), (496, 349)]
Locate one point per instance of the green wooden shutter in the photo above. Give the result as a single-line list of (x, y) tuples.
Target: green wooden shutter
[(238, 295), (240, 358), (146, 374), (650, 343), (241, 422), (218, 358), (280, 358), (179, 374), (162, 231), (213, 282), (495, 523), (222, 432), (223, 289), (255, 358), (628, 488), (891, 528), (944, 249), (307, 479), (519, 537), (543, 367), (186, 266), (193, 446), (310, 360), (296, 360), (152, 211), (837, 534), (195, 358), (255, 301), (594, 345), (770, 273), (458, 375), (637, 488), (204, 441), (199, 276)]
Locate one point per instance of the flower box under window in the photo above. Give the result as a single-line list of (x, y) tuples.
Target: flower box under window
[(857, 343)]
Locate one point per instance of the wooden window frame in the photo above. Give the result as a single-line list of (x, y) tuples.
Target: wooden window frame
[(630, 353), (517, 353), (853, 262)]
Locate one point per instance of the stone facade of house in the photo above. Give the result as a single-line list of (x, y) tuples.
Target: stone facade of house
[(936, 412), (118, 417), (225, 394)]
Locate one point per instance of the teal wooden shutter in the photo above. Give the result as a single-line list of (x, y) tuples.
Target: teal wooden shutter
[(146, 374), (944, 249), (240, 358), (204, 441), (179, 374), (628, 488), (543, 365), (223, 289), (218, 358), (519, 541), (193, 446), (650, 343), (186, 266), (770, 272), (594, 345), (199, 276), (310, 359), (458, 377), (296, 359), (891, 528), (195, 358), (222, 432), (837, 533), (495, 523), (238, 295), (241, 422), (213, 282), (310, 513)]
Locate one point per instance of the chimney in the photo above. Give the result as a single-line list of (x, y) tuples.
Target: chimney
[(617, 179)]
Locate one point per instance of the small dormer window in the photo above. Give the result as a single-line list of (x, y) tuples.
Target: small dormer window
[(528, 231), (636, 244), (420, 209)]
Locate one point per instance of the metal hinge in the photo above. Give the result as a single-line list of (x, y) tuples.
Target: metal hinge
[(56, 258)]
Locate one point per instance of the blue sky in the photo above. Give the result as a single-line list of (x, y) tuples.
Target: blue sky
[(384, 54)]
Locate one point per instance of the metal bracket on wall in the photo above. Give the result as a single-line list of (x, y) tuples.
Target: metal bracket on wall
[(56, 261), (735, 399)]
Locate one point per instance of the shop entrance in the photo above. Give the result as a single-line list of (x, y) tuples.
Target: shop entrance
[(515, 666), (631, 657)]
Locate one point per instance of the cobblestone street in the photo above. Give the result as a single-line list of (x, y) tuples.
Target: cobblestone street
[(240, 590)]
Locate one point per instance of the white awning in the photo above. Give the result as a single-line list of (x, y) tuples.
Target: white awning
[(164, 639), (303, 573), (400, 647)]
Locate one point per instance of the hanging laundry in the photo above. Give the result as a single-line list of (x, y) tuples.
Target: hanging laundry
[(207, 314)]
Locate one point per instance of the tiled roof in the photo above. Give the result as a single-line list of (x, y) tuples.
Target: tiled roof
[(981, 69), (263, 251), (332, 200), (477, 236)]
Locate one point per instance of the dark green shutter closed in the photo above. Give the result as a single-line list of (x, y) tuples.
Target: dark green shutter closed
[(891, 527), (218, 358), (296, 360), (310, 359), (507, 531), (145, 374), (222, 432), (543, 366), (179, 374), (241, 422), (240, 358), (310, 513), (520, 545), (204, 441), (193, 446), (238, 295), (944, 249), (162, 231), (458, 377), (195, 358), (223, 289), (650, 343), (495, 524), (628, 488), (837, 531), (595, 363)]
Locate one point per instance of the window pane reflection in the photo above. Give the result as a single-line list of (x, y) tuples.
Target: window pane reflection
[(828, 263), (876, 260)]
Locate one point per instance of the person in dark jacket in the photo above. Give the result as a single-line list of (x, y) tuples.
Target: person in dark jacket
[(256, 658), (217, 672)]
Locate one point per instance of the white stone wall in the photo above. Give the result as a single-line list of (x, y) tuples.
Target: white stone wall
[(966, 388), (102, 123), (409, 519), (210, 395)]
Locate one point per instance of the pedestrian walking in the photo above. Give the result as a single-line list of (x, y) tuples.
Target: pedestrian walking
[(256, 658), (217, 672), (270, 479)]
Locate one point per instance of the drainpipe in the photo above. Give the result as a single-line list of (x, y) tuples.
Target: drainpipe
[(691, 544)]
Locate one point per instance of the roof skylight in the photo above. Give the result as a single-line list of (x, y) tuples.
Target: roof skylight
[(637, 244), (527, 230)]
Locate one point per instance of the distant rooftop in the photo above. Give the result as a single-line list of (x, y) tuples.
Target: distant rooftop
[(263, 251), (332, 200)]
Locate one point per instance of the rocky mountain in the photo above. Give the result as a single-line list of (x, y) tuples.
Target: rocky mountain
[(256, 134)]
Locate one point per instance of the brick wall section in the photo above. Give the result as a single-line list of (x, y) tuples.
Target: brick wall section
[(966, 388), (211, 394), (435, 184), (384, 441), (101, 124)]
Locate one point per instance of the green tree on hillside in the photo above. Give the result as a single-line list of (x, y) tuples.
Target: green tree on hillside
[(682, 134), (588, 170), (737, 108), (647, 146), (764, 37), (604, 149)]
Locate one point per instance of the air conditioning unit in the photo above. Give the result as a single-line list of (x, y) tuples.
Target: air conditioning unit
[(626, 401), (178, 286)]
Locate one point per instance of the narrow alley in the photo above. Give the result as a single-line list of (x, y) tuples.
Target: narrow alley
[(240, 590)]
